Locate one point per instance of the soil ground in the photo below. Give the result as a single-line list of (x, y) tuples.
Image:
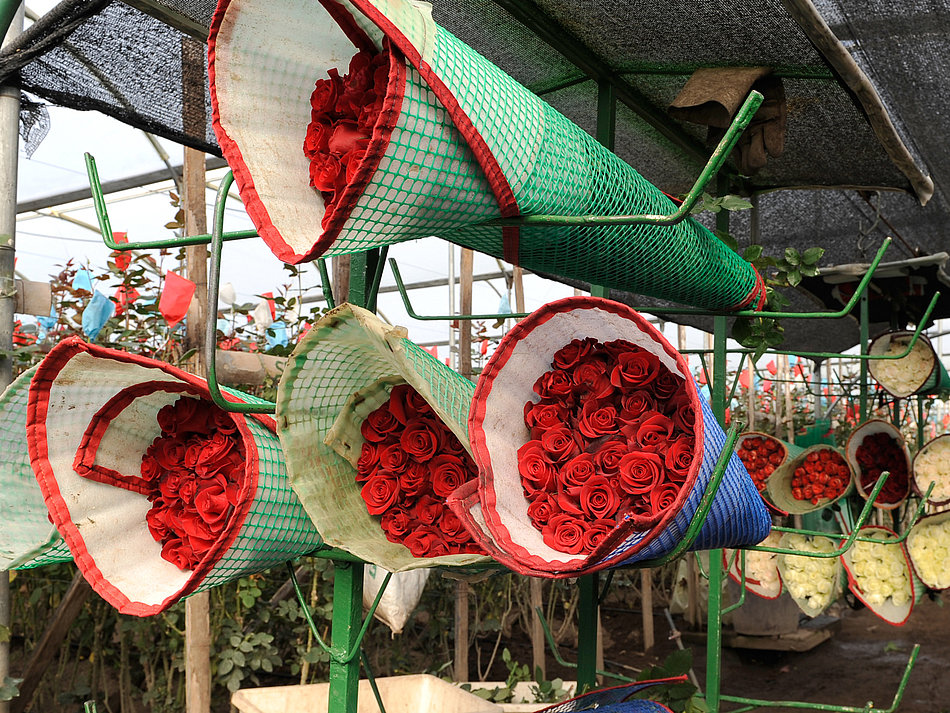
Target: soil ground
[(863, 661)]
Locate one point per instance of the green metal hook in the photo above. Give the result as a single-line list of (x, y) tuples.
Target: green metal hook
[(340, 657), (834, 314), (325, 282), (560, 659), (742, 120), (400, 285), (214, 279), (742, 579), (105, 226)]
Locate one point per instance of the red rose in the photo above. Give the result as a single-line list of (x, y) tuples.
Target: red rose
[(215, 454), (414, 480), (453, 446), (151, 470), (193, 452), (396, 522), (568, 500), (191, 415), (317, 142), (541, 510), (663, 497), (199, 535), (596, 533), (370, 112), (345, 138), (393, 457), (570, 354), (607, 459), (564, 533), (679, 458), (452, 528), (598, 498), (428, 510), (325, 93), (179, 554), (170, 453), (211, 501), (577, 471), (224, 422), (560, 444), (448, 473), (543, 416), (680, 408), (666, 385), (426, 542), (399, 405), (420, 440), (368, 460), (633, 405), (155, 519), (597, 420), (379, 424), (324, 171), (652, 431), (619, 346), (554, 385), (169, 485), (534, 465), (380, 492), (640, 472), (635, 370), (590, 371), (187, 490)]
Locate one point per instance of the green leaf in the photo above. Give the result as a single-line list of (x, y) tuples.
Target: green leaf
[(809, 271), (794, 277), (225, 666), (731, 202), (10, 688), (742, 330), (752, 253), (812, 255), (679, 662), (792, 257), (4, 633)]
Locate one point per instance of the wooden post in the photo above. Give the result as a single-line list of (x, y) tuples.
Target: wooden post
[(517, 277), (341, 278), (467, 263), (646, 604), (197, 615), (536, 596)]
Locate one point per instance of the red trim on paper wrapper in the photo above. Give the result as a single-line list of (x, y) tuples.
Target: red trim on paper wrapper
[(38, 439)]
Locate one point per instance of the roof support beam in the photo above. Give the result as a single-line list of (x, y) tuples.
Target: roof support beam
[(535, 19)]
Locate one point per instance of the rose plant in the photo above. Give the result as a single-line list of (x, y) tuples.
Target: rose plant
[(192, 471), (409, 463), (612, 439)]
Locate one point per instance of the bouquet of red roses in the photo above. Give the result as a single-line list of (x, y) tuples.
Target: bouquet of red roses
[(157, 492), (874, 447), (602, 460), (423, 136), (613, 440), (409, 463), (194, 469), (374, 431), (815, 478)]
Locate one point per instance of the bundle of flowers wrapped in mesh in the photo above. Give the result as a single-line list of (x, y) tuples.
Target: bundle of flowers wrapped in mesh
[(815, 478), (932, 465), (920, 371), (879, 574), (874, 447), (928, 545), (813, 582), (762, 576)]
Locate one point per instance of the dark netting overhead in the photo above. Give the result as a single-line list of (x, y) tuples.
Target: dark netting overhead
[(116, 59)]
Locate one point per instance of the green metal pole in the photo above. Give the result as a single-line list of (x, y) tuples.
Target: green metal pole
[(863, 402), (714, 608), (347, 621), (606, 131), (587, 632)]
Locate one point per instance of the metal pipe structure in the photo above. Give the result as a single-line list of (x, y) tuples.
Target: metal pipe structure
[(11, 20)]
